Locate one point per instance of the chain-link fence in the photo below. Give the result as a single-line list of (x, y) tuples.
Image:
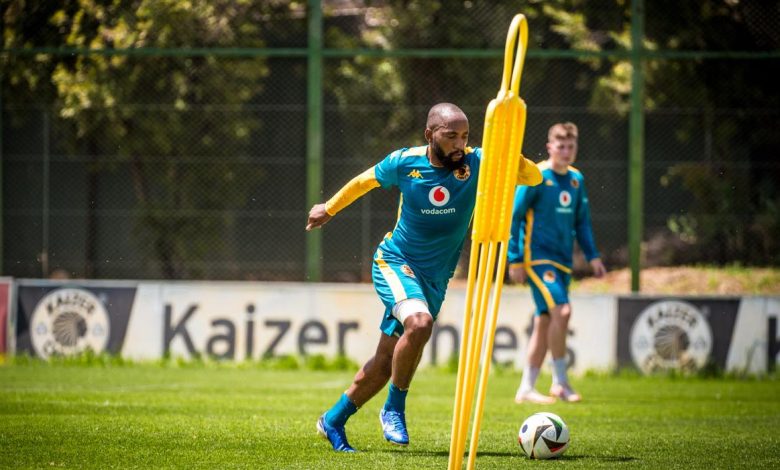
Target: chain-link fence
[(151, 159)]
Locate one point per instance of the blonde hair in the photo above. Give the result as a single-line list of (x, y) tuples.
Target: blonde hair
[(561, 131)]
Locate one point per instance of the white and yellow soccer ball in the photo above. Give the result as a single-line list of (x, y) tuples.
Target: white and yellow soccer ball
[(543, 436)]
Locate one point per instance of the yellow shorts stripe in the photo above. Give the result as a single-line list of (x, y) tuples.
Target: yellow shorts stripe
[(399, 293), (563, 268), (529, 230), (548, 298)]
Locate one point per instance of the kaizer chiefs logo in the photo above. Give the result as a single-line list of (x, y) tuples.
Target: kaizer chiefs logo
[(549, 276), (575, 183), (68, 322), (463, 173), (670, 334), (407, 270)]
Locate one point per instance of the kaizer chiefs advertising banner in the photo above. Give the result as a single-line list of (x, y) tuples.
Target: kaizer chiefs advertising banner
[(687, 333), (69, 319), (239, 321)]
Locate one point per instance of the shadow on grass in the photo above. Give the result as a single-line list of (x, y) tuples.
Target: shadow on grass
[(600, 458), (446, 453)]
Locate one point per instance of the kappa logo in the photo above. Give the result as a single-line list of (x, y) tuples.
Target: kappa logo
[(415, 174), (439, 196), (463, 173), (67, 322), (564, 198)]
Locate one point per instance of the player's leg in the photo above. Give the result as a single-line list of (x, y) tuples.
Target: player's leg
[(409, 319), (373, 376), (537, 345), (559, 328), (375, 373), (408, 350), (369, 380), (417, 327), (537, 349)]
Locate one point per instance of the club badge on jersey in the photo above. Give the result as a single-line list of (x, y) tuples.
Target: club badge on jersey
[(463, 173)]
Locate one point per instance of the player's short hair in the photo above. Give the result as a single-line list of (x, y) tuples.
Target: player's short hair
[(561, 131), (441, 113)]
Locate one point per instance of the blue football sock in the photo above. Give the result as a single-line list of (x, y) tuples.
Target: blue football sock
[(396, 399), (341, 411)]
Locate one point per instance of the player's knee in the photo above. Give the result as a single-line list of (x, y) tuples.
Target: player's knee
[(563, 313), (418, 328)]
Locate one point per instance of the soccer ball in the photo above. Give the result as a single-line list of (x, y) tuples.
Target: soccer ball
[(543, 436)]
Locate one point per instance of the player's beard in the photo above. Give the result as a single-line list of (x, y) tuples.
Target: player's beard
[(448, 160)]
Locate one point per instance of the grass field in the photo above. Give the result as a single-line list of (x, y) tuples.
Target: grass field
[(206, 416)]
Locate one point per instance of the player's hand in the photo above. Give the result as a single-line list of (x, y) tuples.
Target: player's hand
[(318, 217), (598, 267), (517, 274)]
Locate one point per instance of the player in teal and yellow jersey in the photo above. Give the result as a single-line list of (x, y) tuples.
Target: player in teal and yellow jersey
[(413, 264), (546, 220)]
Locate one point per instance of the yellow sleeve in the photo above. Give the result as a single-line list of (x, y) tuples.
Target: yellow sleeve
[(528, 173), (358, 186)]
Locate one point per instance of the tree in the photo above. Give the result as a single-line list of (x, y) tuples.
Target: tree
[(176, 123)]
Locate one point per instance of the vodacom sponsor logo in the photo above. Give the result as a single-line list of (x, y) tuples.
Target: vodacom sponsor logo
[(564, 198), (439, 196)]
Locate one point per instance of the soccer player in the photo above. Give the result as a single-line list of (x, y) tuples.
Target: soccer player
[(413, 264), (545, 222)]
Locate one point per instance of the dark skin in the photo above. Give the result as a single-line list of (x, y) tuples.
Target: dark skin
[(446, 132)]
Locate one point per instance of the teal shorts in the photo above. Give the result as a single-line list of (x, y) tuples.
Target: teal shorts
[(394, 281), (549, 286)]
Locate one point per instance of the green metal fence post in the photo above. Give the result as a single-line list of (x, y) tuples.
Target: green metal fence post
[(636, 144), (2, 219), (46, 196), (314, 138)]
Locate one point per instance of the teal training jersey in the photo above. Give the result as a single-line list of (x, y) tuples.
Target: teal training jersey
[(548, 217), (436, 207)]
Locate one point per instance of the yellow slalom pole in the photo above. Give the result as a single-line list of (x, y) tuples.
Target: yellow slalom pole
[(505, 223), (462, 356), (503, 137), (477, 334)]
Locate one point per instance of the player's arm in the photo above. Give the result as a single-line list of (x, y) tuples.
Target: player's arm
[(528, 173), (516, 246), (584, 230), (320, 214)]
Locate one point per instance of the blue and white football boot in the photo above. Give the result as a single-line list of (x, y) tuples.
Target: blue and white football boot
[(394, 427), (336, 435)]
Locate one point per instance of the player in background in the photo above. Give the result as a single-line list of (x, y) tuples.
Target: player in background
[(545, 221), (413, 264)]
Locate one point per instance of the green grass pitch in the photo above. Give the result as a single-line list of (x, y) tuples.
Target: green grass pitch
[(153, 416)]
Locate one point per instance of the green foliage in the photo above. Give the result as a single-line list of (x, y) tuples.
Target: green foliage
[(315, 362), (178, 128), (181, 128), (723, 219)]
